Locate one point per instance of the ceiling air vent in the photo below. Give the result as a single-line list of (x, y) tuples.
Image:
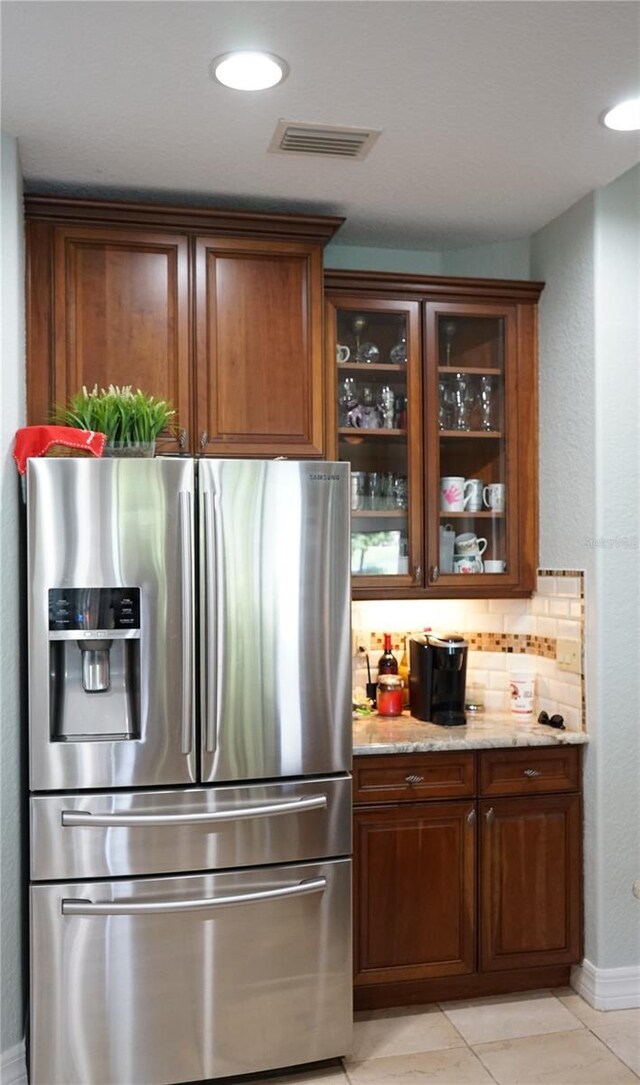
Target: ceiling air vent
[(291, 137)]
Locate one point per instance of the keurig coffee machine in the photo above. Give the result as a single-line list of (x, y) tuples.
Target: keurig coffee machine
[(437, 678)]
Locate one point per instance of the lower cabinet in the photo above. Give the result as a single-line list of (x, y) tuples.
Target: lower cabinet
[(461, 896)]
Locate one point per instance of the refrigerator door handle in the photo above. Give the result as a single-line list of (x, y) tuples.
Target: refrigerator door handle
[(186, 566), (85, 817), (76, 906), (208, 625)]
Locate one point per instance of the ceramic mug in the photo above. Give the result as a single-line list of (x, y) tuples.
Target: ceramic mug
[(342, 353), (470, 545), (494, 566), (493, 496), (452, 493), (473, 495), (467, 563)]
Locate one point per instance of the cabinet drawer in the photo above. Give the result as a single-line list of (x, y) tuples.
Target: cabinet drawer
[(412, 777), (529, 771)]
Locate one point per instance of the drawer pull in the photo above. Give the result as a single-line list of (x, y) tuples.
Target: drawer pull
[(414, 779), (531, 773), (490, 816), (471, 817)]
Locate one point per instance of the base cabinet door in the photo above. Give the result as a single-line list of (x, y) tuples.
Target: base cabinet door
[(530, 873), (414, 890)]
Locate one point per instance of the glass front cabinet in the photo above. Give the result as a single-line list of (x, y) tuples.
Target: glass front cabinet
[(433, 403)]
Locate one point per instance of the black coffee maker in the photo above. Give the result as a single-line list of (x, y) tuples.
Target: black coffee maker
[(437, 678)]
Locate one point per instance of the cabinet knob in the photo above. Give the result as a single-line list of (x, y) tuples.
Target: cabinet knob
[(531, 773), (434, 574), (204, 439), (471, 817), (414, 779), (417, 574), (490, 817), (182, 439)]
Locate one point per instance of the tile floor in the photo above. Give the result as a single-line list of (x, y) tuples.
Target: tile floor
[(537, 1038)]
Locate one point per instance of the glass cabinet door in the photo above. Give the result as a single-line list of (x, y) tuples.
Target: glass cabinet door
[(471, 446), (377, 414)]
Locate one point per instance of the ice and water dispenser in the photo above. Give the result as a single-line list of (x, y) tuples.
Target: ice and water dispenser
[(94, 663)]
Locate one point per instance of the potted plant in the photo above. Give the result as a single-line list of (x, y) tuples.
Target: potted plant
[(131, 420)]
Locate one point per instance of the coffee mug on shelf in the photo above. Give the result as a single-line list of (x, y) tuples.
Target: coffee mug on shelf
[(452, 493), (470, 545), (467, 563), (473, 495), (493, 496), (493, 566), (342, 354)]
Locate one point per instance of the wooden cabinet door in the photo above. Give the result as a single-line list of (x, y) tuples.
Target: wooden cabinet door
[(478, 460), (530, 881), (414, 874), (258, 312), (121, 315)]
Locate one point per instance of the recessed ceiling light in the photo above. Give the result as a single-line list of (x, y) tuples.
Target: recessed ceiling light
[(624, 117), (249, 70)]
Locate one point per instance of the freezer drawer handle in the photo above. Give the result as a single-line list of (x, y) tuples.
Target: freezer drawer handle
[(85, 817), (160, 907)]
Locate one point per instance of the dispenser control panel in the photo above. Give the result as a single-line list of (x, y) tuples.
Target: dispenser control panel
[(85, 609)]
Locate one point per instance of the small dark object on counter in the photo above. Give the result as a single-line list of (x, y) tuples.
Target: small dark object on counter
[(372, 691), (553, 721)]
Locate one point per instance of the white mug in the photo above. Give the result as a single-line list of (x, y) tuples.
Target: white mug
[(494, 566), (493, 496), (470, 545), (342, 353), (467, 563), (452, 493), (522, 688), (473, 495)]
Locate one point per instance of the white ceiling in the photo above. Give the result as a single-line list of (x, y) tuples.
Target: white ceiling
[(489, 110)]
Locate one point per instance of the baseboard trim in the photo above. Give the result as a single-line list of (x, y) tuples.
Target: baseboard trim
[(607, 988), (13, 1065)]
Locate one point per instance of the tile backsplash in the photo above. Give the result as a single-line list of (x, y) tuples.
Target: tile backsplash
[(505, 635)]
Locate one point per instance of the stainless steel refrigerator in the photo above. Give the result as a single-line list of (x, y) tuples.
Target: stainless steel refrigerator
[(190, 751)]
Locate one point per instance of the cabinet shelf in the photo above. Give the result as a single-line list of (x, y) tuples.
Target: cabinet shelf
[(374, 367), (486, 514), (471, 370), (465, 434), (354, 436), (375, 514)]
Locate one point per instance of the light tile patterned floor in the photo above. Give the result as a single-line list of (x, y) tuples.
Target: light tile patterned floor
[(537, 1038)]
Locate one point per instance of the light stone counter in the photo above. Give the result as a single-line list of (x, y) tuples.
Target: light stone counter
[(404, 734)]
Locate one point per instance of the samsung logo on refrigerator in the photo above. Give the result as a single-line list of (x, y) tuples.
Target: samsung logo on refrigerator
[(324, 478)]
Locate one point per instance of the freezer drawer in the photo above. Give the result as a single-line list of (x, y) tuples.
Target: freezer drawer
[(186, 978), (153, 832)]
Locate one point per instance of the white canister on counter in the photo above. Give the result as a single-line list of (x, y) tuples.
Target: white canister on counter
[(522, 687)]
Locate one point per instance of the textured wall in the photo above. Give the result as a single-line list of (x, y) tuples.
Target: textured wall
[(589, 452), (504, 260), (617, 443), (12, 416)]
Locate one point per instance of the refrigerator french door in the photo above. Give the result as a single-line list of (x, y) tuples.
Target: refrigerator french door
[(189, 674)]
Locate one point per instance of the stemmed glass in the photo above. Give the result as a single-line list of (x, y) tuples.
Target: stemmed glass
[(484, 402), (450, 330), (364, 352), (462, 399)]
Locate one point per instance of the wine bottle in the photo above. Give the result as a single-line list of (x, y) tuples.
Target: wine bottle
[(387, 664)]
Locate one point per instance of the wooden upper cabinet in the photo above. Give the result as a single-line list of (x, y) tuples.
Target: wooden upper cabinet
[(219, 312), (259, 365), (120, 315)]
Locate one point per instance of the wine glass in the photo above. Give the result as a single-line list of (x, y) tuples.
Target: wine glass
[(347, 400), (485, 403), (462, 398), (386, 405), (450, 329), (398, 353), (367, 353)]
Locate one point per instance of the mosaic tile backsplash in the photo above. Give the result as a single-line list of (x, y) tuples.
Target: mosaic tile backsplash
[(505, 635)]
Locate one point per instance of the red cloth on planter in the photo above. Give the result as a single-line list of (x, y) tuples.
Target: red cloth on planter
[(36, 440)]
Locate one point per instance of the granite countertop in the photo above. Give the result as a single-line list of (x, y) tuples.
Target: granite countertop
[(404, 734)]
